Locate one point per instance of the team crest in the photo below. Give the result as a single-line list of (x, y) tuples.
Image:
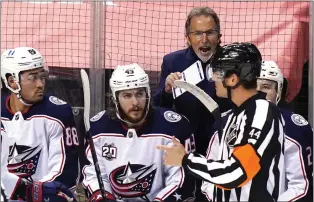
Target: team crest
[(97, 116), (109, 151), (299, 120), (23, 160), (172, 116), (132, 180), (56, 100)]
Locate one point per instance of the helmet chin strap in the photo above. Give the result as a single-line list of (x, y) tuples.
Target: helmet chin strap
[(229, 88), (19, 96)]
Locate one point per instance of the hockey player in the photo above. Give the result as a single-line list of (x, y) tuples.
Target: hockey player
[(298, 141), (41, 159), (250, 162), (125, 138)]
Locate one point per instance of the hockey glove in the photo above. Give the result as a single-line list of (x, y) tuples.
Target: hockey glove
[(49, 191)]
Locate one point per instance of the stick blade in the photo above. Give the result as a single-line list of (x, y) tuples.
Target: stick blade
[(86, 89), (209, 103)]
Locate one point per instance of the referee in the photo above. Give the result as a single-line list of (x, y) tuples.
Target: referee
[(250, 165)]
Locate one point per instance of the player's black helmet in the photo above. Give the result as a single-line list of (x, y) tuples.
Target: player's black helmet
[(244, 59)]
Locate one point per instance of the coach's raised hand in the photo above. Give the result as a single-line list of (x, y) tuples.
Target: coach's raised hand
[(170, 81), (173, 154)]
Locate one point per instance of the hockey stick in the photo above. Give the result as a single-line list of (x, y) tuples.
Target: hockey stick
[(86, 90), (208, 102), (3, 196)]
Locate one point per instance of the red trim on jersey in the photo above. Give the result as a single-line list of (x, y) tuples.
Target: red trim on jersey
[(47, 117), (208, 198), (125, 127), (210, 145), (9, 109), (108, 135), (182, 177), (157, 135), (88, 186), (90, 189), (83, 172), (303, 170), (158, 199), (87, 150), (169, 192)]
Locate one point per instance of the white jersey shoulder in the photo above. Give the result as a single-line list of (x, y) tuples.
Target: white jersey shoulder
[(97, 116)]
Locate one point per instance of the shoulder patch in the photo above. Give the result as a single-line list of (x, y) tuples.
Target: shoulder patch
[(172, 116), (299, 120), (97, 116), (56, 100)]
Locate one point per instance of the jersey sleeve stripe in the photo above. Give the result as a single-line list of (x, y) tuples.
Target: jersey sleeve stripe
[(169, 192), (260, 115), (266, 140), (242, 128), (227, 180), (230, 171), (182, 177), (207, 196), (203, 164), (211, 144), (249, 160)]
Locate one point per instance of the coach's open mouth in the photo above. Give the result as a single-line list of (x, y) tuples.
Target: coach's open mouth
[(205, 50)]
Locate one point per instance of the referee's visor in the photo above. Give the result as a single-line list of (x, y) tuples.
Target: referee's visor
[(215, 74)]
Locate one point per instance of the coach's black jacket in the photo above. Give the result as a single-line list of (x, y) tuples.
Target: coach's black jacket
[(187, 104)]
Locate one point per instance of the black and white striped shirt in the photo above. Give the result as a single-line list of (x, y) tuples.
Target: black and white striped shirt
[(250, 164)]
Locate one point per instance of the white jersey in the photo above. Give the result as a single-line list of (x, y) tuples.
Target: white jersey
[(132, 168), (39, 144)]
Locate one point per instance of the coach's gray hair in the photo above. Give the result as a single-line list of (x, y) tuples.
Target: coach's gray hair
[(199, 11)]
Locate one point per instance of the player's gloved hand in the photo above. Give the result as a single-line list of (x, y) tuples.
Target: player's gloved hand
[(96, 197), (49, 191)]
